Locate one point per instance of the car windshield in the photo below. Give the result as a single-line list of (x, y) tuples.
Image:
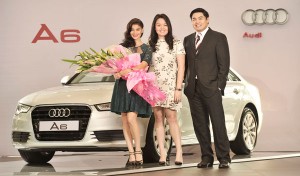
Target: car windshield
[(91, 77)]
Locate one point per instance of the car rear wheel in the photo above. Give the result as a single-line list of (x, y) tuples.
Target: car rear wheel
[(151, 151), (35, 157), (246, 138)]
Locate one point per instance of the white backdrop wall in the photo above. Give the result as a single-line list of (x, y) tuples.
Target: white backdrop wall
[(271, 62)]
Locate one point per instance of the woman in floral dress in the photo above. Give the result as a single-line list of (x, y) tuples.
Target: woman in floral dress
[(168, 65)]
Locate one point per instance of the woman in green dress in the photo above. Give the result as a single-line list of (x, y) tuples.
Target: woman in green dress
[(129, 104)]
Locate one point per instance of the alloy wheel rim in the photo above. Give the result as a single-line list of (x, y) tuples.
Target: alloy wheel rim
[(249, 131)]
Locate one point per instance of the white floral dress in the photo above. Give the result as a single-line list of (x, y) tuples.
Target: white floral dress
[(164, 65)]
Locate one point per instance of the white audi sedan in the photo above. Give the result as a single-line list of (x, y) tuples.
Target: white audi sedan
[(76, 117)]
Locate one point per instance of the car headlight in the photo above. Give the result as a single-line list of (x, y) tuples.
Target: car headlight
[(22, 108), (103, 107)]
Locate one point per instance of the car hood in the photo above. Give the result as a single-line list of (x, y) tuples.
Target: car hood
[(76, 94)]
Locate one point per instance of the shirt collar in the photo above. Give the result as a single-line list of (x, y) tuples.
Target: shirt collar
[(202, 34)]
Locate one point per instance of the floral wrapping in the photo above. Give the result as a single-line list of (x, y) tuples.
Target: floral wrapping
[(140, 81)]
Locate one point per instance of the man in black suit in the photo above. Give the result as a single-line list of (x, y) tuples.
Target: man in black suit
[(207, 67)]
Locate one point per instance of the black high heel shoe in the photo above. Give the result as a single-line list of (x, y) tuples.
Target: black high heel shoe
[(162, 163), (130, 163), (178, 163), (140, 162)]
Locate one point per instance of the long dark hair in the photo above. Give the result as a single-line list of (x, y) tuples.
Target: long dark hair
[(153, 35), (128, 41)]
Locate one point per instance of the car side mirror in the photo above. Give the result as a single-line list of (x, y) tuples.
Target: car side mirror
[(64, 80)]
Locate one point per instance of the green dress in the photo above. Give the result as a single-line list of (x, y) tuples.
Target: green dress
[(122, 101)]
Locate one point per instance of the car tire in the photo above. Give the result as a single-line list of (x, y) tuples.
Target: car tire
[(246, 138), (34, 157), (151, 152)]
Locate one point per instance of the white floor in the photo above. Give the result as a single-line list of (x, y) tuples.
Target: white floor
[(113, 163)]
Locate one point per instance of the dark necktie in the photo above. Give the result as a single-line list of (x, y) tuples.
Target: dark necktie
[(197, 41)]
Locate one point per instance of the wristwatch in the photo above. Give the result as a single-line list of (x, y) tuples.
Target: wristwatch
[(178, 89)]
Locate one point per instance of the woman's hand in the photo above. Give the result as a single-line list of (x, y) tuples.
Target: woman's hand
[(125, 72), (177, 96), (117, 75), (122, 73)]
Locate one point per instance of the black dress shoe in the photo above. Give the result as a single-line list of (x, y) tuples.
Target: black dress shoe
[(205, 164), (224, 164)]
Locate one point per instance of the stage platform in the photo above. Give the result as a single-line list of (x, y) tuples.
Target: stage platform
[(259, 163)]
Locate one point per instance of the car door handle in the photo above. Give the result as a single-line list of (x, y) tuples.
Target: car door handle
[(236, 91)]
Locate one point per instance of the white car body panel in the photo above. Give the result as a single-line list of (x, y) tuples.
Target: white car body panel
[(238, 94)]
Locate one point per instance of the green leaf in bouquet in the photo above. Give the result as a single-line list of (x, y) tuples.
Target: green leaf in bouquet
[(88, 53), (82, 55), (80, 63), (70, 61), (97, 54), (89, 56), (90, 62), (109, 53), (100, 60), (118, 54), (80, 69), (103, 53)]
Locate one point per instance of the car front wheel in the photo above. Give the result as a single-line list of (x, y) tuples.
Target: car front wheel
[(35, 157), (246, 138), (151, 150)]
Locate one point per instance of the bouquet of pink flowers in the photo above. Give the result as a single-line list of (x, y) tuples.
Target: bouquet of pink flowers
[(116, 58)]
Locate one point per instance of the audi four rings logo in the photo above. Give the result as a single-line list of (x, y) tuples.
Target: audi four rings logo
[(269, 16), (59, 112)]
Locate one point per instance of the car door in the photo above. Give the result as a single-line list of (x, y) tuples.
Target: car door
[(233, 102), (186, 123)]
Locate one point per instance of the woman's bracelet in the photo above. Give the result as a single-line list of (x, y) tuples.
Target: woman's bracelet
[(178, 89)]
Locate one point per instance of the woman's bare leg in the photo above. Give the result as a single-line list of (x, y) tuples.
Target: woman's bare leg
[(171, 116), (135, 131), (160, 131), (128, 136)]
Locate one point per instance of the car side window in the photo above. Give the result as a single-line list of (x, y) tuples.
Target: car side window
[(232, 77)]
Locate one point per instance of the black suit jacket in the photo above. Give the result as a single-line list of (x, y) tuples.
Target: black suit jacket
[(210, 64)]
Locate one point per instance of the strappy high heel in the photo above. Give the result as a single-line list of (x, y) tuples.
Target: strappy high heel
[(130, 163), (140, 162)]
